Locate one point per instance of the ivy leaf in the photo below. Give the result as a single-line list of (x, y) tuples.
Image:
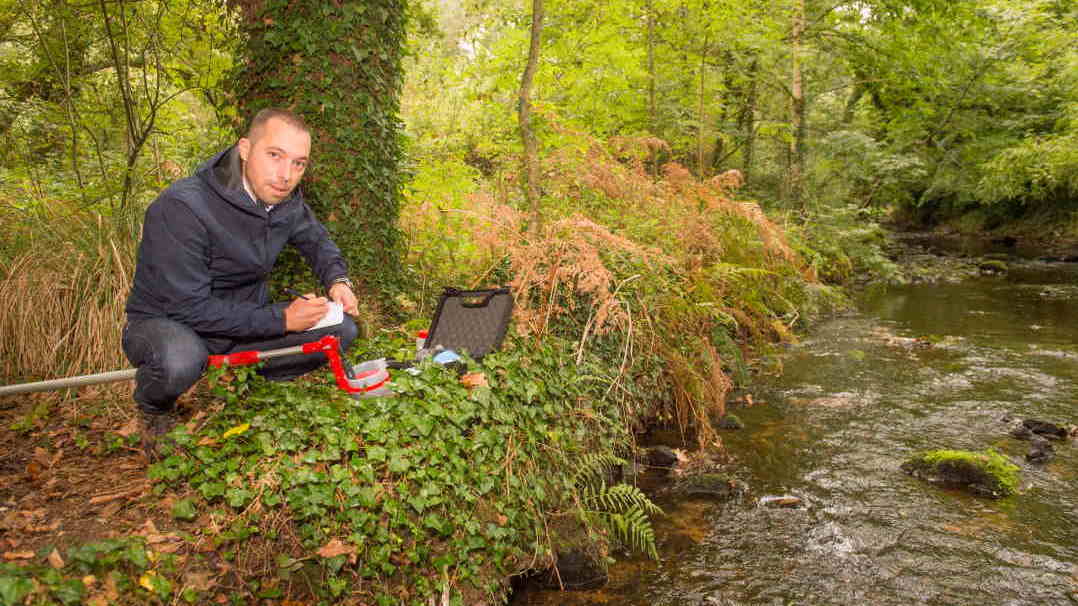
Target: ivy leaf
[(238, 497), (14, 589), (399, 464), (184, 510), (377, 453)]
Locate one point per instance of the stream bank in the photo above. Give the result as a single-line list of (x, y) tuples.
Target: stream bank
[(941, 362)]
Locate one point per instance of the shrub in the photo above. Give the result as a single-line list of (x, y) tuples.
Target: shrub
[(667, 279)]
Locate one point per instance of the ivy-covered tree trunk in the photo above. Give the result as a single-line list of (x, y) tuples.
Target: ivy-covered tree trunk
[(338, 64)]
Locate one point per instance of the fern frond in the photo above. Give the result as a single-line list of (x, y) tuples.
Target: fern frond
[(632, 529), (592, 466), (620, 498)]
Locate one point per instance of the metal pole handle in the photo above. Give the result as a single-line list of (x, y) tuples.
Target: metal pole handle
[(101, 377), (327, 344)]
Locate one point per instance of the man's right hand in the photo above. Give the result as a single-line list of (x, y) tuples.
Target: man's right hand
[(302, 314)]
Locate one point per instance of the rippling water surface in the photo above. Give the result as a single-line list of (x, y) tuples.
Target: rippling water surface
[(856, 397)]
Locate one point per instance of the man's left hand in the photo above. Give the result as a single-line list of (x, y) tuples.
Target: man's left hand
[(340, 293)]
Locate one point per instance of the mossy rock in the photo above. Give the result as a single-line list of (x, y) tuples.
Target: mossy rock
[(730, 421), (992, 266), (716, 486), (986, 473)]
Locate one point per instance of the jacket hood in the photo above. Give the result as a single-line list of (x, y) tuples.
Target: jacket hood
[(224, 174)]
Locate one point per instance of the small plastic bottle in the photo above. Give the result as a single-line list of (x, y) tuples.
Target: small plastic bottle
[(420, 339)]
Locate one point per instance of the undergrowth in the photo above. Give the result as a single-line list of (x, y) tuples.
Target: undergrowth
[(669, 280)]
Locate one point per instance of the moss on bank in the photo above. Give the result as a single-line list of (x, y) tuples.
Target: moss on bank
[(986, 473)]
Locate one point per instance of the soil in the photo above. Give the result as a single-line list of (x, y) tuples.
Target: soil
[(71, 471)]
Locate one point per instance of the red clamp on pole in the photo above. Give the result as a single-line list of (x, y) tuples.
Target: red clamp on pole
[(330, 346), (235, 359)]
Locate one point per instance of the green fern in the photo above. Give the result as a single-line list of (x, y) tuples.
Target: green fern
[(622, 509)]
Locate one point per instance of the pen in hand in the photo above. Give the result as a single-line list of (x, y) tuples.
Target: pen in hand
[(296, 293)]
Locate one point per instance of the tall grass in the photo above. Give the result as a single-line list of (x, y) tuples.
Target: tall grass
[(65, 276)]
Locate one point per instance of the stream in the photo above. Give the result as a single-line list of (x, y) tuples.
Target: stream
[(916, 367)]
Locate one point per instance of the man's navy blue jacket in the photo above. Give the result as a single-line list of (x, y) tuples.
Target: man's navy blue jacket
[(207, 250)]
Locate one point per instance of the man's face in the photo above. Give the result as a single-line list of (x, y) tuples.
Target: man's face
[(274, 159)]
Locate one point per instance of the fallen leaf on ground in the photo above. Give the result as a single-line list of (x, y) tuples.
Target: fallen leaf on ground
[(129, 428), (199, 581), (335, 548), (111, 591), (105, 498), (41, 456), (207, 441), (110, 510), (171, 547), (55, 560), (146, 580), (34, 469), (89, 580), (474, 379), (154, 539), (237, 430), (148, 528), (18, 555)]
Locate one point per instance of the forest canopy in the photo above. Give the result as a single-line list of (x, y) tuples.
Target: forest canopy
[(931, 106)]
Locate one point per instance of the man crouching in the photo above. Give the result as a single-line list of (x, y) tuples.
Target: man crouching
[(208, 245)]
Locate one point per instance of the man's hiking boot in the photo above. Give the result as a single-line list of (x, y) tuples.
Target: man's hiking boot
[(153, 428)]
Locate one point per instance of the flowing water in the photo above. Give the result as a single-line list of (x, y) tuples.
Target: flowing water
[(917, 367)]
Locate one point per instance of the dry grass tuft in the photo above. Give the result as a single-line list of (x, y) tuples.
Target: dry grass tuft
[(63, 295)]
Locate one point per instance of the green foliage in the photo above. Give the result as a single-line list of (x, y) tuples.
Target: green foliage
[(77, 138), (845, 244), (620, 509), (124, 565), (1040, 171), (339, 66), (440, 482)]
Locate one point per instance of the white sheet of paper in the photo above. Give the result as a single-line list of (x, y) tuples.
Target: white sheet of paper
[(333, 317)]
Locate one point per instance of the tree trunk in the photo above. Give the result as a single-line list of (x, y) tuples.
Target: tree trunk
[(530, 158), (797, 117), (652, 112), (347, 88), (851, 103), (748, 120), (701, 171)]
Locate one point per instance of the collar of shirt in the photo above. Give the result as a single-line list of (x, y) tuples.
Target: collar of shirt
[(251, 193)]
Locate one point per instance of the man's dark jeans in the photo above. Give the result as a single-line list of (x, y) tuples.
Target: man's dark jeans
[(171, 357)]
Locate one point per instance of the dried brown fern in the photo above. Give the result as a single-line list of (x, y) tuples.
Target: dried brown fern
[(613, 232)]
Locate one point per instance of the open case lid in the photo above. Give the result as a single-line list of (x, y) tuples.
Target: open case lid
[(472, 321)]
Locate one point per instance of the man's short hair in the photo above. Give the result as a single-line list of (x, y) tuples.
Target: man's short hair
[(265, 115)]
